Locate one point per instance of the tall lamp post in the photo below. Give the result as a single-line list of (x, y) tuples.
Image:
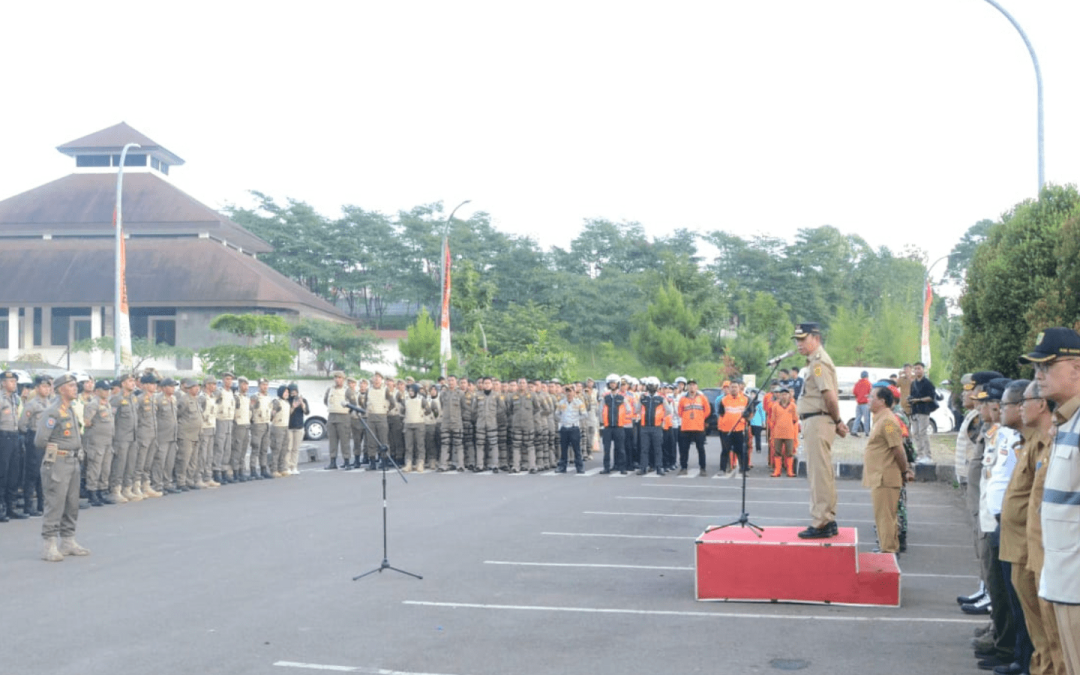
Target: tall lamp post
[(1038, 83), (444, 318), (121, 322), (927, 300)]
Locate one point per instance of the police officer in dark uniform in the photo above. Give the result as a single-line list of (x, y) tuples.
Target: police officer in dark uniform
[(10, 409)]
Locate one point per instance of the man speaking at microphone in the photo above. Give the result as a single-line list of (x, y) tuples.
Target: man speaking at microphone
[(819, 412)]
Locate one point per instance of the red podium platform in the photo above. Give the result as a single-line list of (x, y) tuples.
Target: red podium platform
[(734, 564)]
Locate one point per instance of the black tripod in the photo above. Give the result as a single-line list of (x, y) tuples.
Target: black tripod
[(744, 519), (384, 459)]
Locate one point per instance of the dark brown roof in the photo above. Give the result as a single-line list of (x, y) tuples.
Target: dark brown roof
[(115, 138), (160, 272), (82, 205)]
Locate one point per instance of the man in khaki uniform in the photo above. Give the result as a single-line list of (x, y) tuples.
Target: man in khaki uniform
[(145, 437), (224, 411), (206, 475), (241, 431), (57, 434), (189, 422), (358, 398), (163, 464), (819, 411), (99, 425), (903, 381), (337, 424), (885, 469), (125, 416), (260, 430)]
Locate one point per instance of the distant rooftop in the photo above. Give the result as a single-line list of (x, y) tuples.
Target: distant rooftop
[(102, 149)]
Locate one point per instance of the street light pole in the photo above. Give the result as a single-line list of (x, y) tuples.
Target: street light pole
[(444, 318), (121, 332), (1038, 83)]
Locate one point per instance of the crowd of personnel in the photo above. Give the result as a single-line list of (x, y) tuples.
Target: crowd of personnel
[(1017, 455)]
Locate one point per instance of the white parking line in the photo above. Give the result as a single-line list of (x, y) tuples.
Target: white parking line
[(621, 567), (749, 486), (780, 518), (692, 538), (708, 615), (759, 501), (345, 669)]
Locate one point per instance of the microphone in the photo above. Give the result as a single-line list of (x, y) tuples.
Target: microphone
[(777, 359), (355, 408)]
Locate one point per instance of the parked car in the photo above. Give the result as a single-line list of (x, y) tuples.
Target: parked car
[(315, 422), (942, 420)]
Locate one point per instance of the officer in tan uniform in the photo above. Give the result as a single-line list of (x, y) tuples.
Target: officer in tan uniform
[(260, 430), (32, 409), (885, 469), (125, 416), (145, 437), (337, 424), (819, 411), (241, 431), (163, 465), (206, 475), (357, 397), (224, 411), (57, 434), (189, 422), (378, 405), (99, 425)]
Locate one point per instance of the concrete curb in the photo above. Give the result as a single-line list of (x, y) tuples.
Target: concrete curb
[(924, 473)]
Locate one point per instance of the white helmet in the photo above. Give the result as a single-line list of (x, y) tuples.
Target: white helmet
[(680, 380), (612, 378)]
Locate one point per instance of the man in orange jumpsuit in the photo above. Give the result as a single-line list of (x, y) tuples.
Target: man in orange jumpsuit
[(784, 429), (732, 424)]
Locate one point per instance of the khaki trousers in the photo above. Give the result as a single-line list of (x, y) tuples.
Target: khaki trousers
[(1068, 620), (1041, 623), (886, 501), (818, 435), (60, 482)]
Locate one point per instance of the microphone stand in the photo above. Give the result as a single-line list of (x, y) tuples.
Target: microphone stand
[(384, 458), (744, 519)]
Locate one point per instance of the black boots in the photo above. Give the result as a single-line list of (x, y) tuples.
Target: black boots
[(266, 474), (333, 463)]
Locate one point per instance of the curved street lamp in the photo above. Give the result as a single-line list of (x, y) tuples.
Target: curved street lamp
[(444, 317)]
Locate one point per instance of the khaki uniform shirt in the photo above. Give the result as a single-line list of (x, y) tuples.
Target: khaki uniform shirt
[(126, 415), (1014, 507), (260, 408), (225, 407), (57, 424), (242, 413), (1039, 458), (189, 418), (98, 420), (904, 382), (166, 417), (820, 377), (335, 399), (880, 468)]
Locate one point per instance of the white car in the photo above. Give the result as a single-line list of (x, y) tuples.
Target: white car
[(941, 420)]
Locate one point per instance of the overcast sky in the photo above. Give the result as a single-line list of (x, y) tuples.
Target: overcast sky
[(905, 122)]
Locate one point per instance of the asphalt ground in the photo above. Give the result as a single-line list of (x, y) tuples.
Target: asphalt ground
[(521, 574)]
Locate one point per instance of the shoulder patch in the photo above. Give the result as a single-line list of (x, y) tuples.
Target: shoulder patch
[(817, 371), (51, 422), (891, 428)]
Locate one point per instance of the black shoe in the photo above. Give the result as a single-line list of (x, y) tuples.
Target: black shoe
[(494, 469), (333, 463), (641, 472), (825, 532), (347, 465), (660, 472), (266, 474), (970, 599), (623, 472), (1011, 669), (980, 606), (532, 470), (605, 471), (17, 515), (993, 662), (560, 470)]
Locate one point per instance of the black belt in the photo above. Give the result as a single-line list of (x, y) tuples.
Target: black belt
[(809, 415)]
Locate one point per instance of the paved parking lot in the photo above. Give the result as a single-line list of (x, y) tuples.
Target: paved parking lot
[(522, 574)]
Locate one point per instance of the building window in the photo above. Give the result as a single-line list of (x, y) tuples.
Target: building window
[(68, 324), (37, 326), (131, 160), (92, 160), (162, 331), (4, 332)]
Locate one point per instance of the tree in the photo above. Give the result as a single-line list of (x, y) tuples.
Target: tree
[(1009, 293), (337, 346), (142, 350), (668, 334), (420, 350), (266, 352)]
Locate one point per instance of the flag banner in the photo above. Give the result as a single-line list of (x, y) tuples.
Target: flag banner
[(123, 323), (926, 325), (444, 322)]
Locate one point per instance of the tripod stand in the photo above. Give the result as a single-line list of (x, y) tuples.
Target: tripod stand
[(384, 459), (744, 519)]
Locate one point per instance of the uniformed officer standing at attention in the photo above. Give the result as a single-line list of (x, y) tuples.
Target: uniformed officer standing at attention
[(10, 409), (358, 398), (819, 411), (32, 410), (206, 475), (58, 434), (241, 431), (189, 423), (885, 469), (125, 416), (338, 426), (98, 424), (163, 464), (225, 410), (260, 430), (145, 437)]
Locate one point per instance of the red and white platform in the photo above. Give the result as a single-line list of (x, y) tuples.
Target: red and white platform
[(733, 563)]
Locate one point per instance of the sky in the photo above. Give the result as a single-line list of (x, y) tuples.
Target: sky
[(903, 122)]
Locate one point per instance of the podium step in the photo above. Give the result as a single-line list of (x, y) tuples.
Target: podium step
[(733, 563)]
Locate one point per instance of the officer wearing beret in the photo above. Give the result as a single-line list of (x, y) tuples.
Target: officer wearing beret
[(819, 411), (32, 409), (125, 415), (163, 464), (146, 438), (189, 422), (57, 434)]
